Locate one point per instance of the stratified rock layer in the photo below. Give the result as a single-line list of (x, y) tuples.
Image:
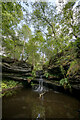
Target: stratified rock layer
[(15, 70)]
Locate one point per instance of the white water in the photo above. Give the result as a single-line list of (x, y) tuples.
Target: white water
[(40, 88)]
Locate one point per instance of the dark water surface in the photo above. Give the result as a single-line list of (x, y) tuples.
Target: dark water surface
[(27, 104)]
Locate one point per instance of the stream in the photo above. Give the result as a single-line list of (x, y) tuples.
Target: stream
[(27, 103)]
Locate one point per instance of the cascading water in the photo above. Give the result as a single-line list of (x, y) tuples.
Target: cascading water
[(41, 84), (40, 87)]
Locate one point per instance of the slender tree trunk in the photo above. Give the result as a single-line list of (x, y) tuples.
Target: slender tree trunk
[(43, 58), (33, 61), (23, 50), (14, 50)]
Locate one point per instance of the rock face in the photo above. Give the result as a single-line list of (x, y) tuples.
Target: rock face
[(15, 70), (39, 73), (71, 68)]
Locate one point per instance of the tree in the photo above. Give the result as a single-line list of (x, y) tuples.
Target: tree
[(31, 50), (70, 24), (46, 19), (11, 16), (25, 34)]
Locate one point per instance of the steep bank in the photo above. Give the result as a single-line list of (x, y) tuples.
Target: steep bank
[(65, 67), (16, 70)]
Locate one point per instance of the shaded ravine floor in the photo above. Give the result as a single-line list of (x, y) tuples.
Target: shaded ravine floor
[(27, 104)]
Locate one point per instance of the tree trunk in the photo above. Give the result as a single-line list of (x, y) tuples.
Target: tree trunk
[(14, 50), (23, 51), (43, 58), (33, 61)]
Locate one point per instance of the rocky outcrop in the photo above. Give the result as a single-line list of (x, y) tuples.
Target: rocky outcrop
[(70, 67), (15, 70)]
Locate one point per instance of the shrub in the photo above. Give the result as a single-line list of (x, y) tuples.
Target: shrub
[(64, 82), (46, 74)]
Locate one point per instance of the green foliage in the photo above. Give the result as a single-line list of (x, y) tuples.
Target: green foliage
[(34, 73), (38, 66), (62, 70), (11, 16), (74, 67), (46, 35), (46, 74), (64, 82), (4, 85), (8, 93), (9, 84), (46, 63), (24, 33), (30, 78), (32, 84)]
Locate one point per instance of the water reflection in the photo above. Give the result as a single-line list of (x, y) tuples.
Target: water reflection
[(9, 93), (38, 109), (27, 104)]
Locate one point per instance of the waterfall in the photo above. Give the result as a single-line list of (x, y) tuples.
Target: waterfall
[(40, 88), (41, 83)]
